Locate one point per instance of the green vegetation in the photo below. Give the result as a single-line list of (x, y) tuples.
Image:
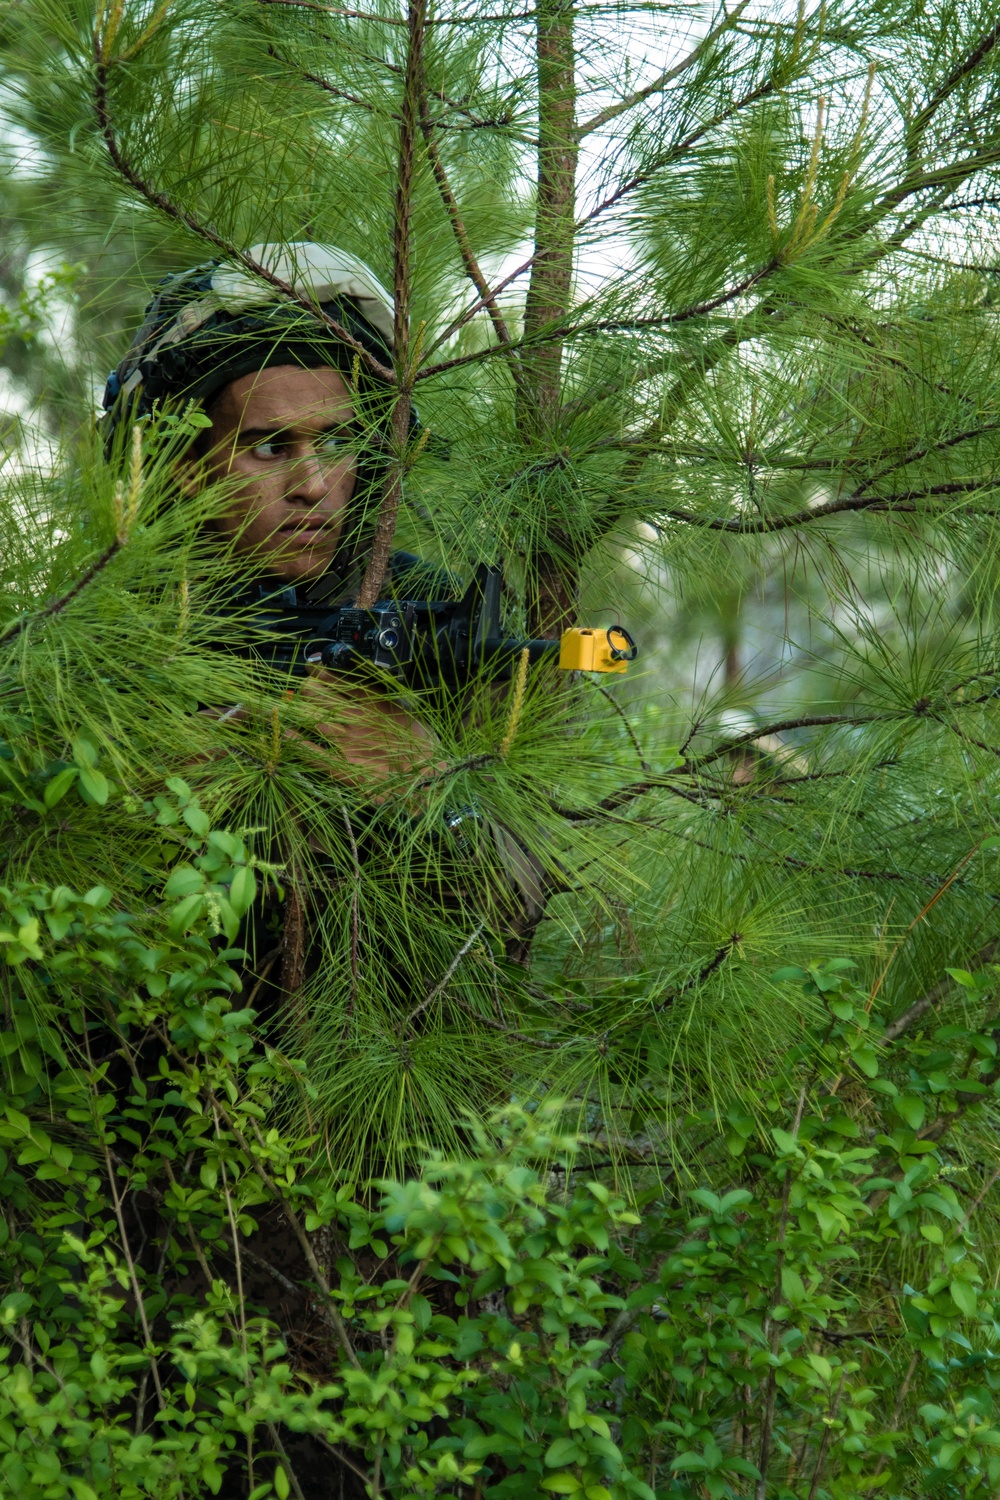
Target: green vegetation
[(642, 1139), (507, 1323)]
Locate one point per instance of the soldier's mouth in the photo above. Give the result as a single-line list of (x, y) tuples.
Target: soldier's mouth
[(308, 533)]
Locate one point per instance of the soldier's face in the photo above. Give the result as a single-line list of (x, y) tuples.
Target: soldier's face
[(284, 436)]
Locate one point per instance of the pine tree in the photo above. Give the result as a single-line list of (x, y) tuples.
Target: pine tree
[(697, 301)]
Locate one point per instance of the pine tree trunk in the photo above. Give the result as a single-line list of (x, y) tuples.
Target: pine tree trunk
[(539, 398)]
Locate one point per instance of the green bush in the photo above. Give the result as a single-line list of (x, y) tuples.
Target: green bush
[(510, 1323)]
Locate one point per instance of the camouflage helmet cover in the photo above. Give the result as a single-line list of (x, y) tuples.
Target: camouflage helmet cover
[(207, 326)]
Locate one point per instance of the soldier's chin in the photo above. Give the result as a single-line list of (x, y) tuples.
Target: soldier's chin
[(303, 560)]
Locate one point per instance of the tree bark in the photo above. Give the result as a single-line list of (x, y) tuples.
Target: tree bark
[(555, 215), (403, 352), (539, 399)]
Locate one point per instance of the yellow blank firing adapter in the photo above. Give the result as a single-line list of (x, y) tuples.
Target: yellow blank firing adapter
[(597, 650)]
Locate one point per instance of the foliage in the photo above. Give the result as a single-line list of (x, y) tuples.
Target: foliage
[(702, 306), (507, 1323), (772, 368)]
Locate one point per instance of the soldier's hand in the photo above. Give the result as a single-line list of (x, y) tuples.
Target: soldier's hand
[(376, 736)]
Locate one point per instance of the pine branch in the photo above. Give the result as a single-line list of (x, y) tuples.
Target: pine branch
[(326, 87), (58, 605), (627, 794), (464, 317), (947, 177), (918, 126), (387, 20), (445, 980), (987, 954), (355, 913), (519, 1036), (178, 215), (904, 502), (559, 332), (770, 86), (782, 726), (471, 264), (715, 962), (612, 112)]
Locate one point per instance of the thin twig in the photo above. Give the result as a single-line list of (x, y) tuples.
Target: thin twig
[(352, 998), (328, 1307), (774, 1330), (824, 1445), (240, 1298), (286, 1463), (986, 955), (897, 1412), (179, 215), (605, 116), (626, 721), (60, 604), (472, 267), (445, 980), (942, 888), (127, 1250)]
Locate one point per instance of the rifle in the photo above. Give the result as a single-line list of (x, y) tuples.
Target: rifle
[(433, 643)]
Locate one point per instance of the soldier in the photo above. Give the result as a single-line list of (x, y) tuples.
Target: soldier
[(297, 433)]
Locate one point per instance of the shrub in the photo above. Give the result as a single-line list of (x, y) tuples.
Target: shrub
[(812, 1321)]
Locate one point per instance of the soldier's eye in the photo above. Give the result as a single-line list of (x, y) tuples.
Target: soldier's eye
[(271, 448), (333, 444)]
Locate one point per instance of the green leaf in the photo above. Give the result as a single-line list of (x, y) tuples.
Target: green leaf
[(184, 879), (199, 823), (911, 1108), (689, 1462), (792, 1286), (84, 752), (866, 1059), (563, 1451), (95, 784), (829, 1221), (185, 914), (56, 789), (964, 1296), (933, 1233), (561, 1484), (963, 977), (15, 1305), (243, 890), (282, 1488)]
